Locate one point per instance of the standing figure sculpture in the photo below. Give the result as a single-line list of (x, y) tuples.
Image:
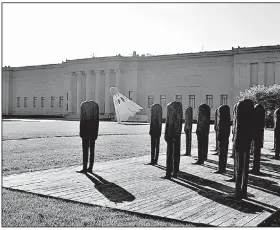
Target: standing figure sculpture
[(233, 142), (258, 137), (233, 128), (89, 124), (216, 131), (155, 131), (223, 132), (188, 129), (243, 138), (277, 133), (202, 132), (172, 135)]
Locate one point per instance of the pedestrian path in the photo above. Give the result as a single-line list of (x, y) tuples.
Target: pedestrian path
[(198, 195)]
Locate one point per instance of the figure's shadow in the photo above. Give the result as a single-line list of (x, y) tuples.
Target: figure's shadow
[(257, 182), (218, 192), (110, 190)]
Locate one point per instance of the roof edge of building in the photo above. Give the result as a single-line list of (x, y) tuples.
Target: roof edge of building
[(233, 51)]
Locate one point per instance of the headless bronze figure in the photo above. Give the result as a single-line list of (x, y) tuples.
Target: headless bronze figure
[(258, 137), (89, 124), (172, 135), (202, 132), (188, 129), (277, 133), (216, 132), (243, 138), (155, 131), (223, 133)]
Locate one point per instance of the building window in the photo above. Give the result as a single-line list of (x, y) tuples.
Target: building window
[(150, 101), (18, 101), (34, 101), (25, 101), (209, 100), (130, 95), (192, 101), (67, 96), (61, 102), (163, 101), (42, 101), (223, 99), (52, 101), (179, 98)]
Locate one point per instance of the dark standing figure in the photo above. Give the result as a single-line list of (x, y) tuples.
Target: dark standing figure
[(233, 142), (89, 124), (202, 132), (216, 132), (277, 133), (172, 135), (243, 139), (233, 127), (258, 135), (223, 132), (155, 131), (188, 129)]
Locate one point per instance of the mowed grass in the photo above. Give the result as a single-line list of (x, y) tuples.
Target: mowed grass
[(37, 145), (21, 209), (30, 146)]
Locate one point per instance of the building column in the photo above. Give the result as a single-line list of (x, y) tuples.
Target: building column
[(236, 81), (4, 95), (97, 87), (107, 92), (261, 74), (118, 78), (70, 78), (79, 91), (89, 85), (277, 73)]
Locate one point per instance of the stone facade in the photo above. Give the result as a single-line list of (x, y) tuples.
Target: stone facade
[(214, 78)]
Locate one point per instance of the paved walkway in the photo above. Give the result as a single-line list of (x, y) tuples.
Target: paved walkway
[(197, 195)]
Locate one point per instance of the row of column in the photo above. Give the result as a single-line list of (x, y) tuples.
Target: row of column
[(88, 87)]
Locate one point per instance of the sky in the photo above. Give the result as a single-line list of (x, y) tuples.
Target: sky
[(38, 33)]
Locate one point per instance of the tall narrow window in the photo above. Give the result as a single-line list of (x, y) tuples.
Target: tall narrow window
[(179, 98), (42, 101), (150, 100), (52, 101), (18, 101), (163, 101), (67, 96), (25, 101), (223, 99), (61, 101), (209, 100), (130, 95), (192, 101), (34, 101)]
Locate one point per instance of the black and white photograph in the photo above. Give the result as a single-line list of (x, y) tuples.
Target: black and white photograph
[(140, 114)]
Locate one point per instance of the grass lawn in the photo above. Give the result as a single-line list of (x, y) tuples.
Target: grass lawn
[(30, 146), (21, 209), (37, 145)]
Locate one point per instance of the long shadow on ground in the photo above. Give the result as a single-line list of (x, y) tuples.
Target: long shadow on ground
[(111, 191), (256, 182), (218, 192)]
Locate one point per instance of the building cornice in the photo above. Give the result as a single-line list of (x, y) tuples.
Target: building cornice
[(142, 58)]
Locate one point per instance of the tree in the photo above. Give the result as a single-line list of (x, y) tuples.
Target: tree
[(267, 96)]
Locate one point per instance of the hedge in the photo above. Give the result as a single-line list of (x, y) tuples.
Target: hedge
[(267, 96)]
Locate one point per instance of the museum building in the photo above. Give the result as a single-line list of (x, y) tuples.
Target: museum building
[(214, 78)]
